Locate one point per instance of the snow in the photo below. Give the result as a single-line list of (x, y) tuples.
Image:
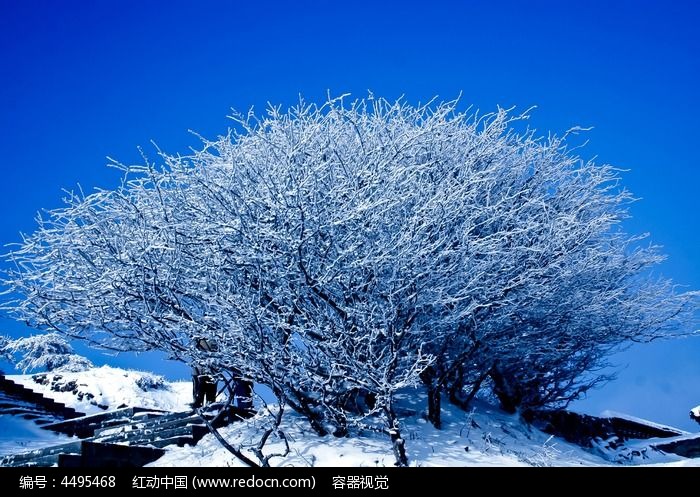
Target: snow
[(20, 435), (652, 424), (484, 436), (106, 386), (685, 463), (109, 387), (417, 236), (492, 437)]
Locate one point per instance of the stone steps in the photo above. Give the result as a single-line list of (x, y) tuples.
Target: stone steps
[(129, 436), (85, 426), (85, 454), (111, 432), (181, 427), (180, 435), (685, 446), (16, 393), (41, 457), (132, 429)]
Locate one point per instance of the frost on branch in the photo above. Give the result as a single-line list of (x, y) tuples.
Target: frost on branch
[(343, 252)]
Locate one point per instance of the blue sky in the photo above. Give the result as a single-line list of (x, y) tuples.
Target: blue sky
[(80, 81)]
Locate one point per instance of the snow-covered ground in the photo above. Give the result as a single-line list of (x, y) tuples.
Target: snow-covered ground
[(105, 387), (485, 436), (20, 435)]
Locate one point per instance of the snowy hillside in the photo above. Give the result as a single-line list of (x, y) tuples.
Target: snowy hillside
[(99, 389), (485, 436)]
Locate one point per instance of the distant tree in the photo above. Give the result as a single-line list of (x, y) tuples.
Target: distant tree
[(4, 354), (46, 352), (349, 250)]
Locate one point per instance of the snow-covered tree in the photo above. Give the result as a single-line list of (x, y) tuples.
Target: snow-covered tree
[(43, 352), (355, 249)]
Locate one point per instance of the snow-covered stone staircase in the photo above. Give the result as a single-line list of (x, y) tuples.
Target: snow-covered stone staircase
[(129, 437), (18, 400), (684, 445)]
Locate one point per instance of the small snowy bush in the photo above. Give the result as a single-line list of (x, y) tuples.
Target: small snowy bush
[(148, 382)]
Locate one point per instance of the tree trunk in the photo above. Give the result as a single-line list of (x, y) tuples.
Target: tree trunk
[(397, 442), (429, 378), (233, 450), (507, 396), (434, 399), (399, 446), (301, 405), (457, 396)]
